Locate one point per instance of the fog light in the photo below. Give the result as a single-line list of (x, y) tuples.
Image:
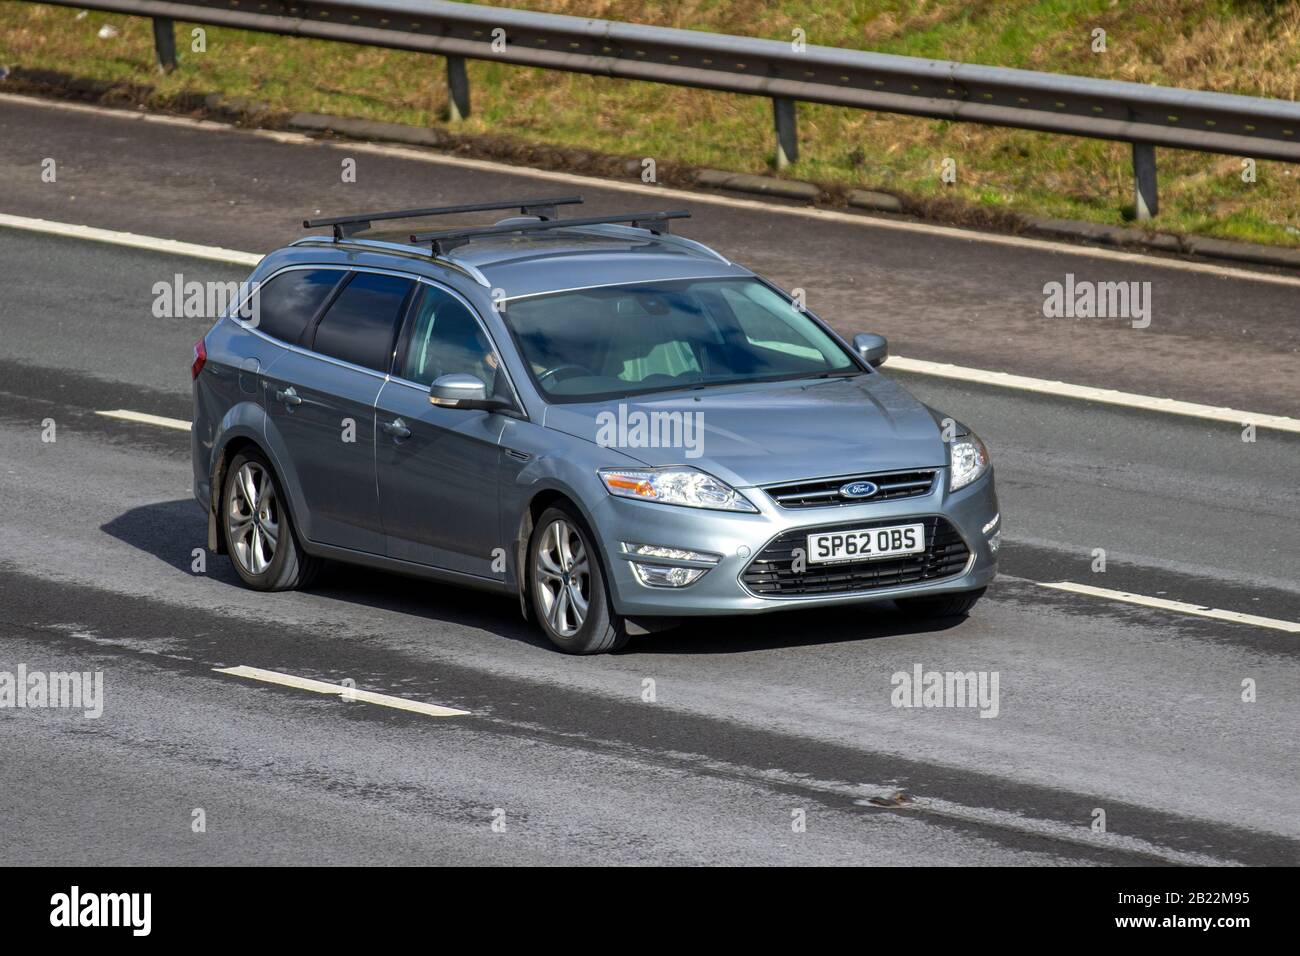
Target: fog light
[(662, 576), (995, 541), (668, 574)]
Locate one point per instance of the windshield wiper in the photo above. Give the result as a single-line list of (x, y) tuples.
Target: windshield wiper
[(821, 377)]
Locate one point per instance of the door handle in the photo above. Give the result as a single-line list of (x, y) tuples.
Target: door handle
[(397, 428), (288, 396)]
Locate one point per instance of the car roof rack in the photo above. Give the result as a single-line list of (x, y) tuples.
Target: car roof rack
[(348, 226), (447, 239)]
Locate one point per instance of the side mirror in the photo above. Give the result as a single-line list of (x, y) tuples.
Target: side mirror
[(462, 391), (872, 348)]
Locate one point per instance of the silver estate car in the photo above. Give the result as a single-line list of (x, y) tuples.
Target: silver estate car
[(617, 425)]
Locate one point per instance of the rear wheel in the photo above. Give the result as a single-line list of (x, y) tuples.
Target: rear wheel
[(259, 532), (568, 586), (941, 605)]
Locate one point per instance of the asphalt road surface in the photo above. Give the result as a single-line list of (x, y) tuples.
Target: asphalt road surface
[(755, 724)]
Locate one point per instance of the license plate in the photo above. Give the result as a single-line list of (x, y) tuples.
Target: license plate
[(866, 544)]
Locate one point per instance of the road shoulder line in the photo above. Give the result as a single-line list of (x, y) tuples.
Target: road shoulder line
[(129, 239), (1089, 393), (809, 212)]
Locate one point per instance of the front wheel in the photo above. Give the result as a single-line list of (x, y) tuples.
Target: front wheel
[(568, 587), (940, 605)]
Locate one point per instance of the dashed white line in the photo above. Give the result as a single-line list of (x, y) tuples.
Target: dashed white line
[(127, 415), (1180, 607), (1089, 393), (339, 690)]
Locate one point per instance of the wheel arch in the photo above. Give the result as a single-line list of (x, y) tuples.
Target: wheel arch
[(233, 441)]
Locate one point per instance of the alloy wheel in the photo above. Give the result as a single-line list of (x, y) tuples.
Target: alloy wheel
[(253, 518), (564, 576)]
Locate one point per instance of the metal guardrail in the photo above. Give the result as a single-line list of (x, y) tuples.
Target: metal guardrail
[(1144, 116)]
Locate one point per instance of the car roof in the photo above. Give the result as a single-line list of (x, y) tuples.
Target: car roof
[(524, 264)]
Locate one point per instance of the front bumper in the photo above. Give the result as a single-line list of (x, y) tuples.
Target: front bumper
[(739, 538)]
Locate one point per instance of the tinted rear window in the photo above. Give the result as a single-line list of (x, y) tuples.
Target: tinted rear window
[(360, 324), (288, 302)]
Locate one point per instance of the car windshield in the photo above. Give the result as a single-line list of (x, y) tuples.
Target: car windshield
[(610, 342)]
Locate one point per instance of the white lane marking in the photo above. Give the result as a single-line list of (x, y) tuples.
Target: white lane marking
[(807, 212), (1183, 608), (129, 416), (130, 239), (1086, 393), (325, 687), (1089, 393)]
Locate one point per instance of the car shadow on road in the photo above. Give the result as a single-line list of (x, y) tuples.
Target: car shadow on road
[(171, 531), (794, 628)]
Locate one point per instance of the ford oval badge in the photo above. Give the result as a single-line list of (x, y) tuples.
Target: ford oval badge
[(858, 489)]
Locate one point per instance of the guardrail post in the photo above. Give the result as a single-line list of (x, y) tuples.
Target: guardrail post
[(787, 136), (457, 89), (1145, 204), (164, 43)]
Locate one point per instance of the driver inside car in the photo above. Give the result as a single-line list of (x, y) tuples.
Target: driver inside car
[(447, 341)]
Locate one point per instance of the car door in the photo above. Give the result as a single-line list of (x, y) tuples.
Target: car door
[(320, 398), (437, 467)]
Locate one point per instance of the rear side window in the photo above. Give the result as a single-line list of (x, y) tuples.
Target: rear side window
[(361, 324), (287, 303)]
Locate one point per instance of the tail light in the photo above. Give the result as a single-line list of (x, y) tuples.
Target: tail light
[(200, 356)]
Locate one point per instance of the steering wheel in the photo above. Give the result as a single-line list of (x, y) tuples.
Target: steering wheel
[(582, 369)]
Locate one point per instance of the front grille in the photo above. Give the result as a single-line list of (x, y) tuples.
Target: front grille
[(771, 573), (821, 492)]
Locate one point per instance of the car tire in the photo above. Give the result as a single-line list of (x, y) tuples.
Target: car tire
[(941, 605), (260, 538), (567, 586)]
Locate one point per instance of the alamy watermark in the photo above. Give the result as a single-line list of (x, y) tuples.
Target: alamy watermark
[(922, 688), (1084, 299), (635, 428), (65, 690), (128, 910), (177, 298)]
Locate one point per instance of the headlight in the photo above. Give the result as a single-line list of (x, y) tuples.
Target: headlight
[(969, 459), (674, 486)]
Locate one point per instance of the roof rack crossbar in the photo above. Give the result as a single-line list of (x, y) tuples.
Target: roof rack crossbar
[(446, 239), (347, 226)]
